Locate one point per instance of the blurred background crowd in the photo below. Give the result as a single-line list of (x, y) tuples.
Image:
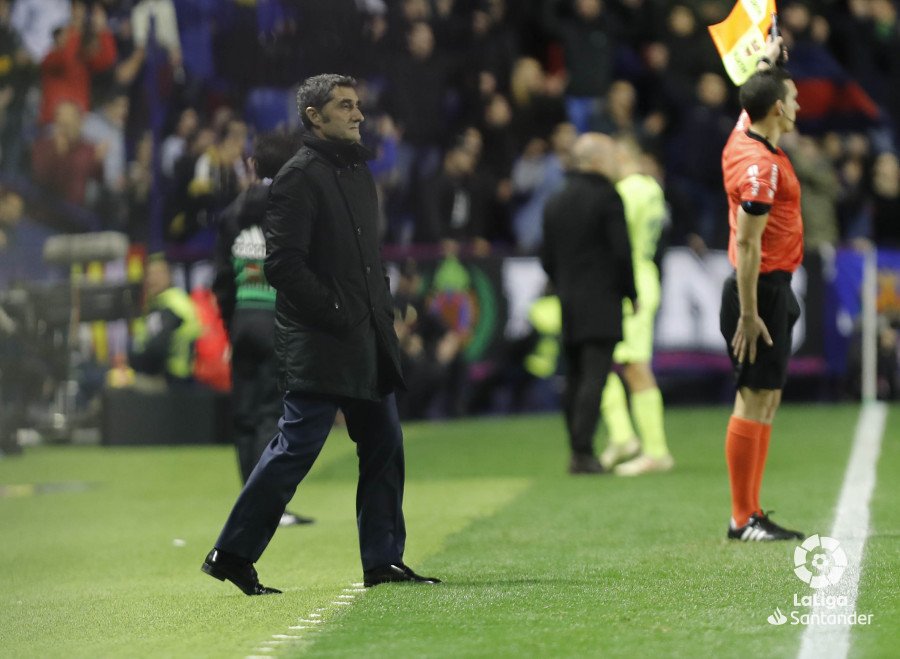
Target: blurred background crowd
[(142, 112), (138, 115)]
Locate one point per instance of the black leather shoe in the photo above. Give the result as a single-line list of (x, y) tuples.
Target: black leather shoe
[(397, 572), (582, 463), (241, 573)]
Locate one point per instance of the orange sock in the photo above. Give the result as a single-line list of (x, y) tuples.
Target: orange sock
[(762, 452), (741, 450)]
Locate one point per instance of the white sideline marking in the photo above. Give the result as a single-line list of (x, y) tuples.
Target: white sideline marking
[(305, 625), (850, 528)]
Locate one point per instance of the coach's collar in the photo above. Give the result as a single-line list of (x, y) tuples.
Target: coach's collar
[(342, 154)]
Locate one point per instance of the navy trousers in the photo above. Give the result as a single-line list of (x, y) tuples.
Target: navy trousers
[(375, 428)]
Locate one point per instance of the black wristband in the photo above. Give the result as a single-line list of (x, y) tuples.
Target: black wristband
[(765, 59)]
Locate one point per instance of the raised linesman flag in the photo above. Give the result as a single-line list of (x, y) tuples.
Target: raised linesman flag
[(741, 37)]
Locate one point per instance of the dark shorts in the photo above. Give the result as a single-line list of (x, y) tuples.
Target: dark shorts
[(779, 310)]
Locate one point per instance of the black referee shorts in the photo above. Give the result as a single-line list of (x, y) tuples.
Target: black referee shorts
[(779, 310)]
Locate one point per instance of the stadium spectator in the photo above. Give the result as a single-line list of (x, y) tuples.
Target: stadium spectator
[(589, 40), (431, 353), (759, 308), (15, 78), (219, 175), (174, 145), (819, 191), (646, 216), (537, 174), (138, 189), (694, 164), (536, 102), (182, 207), (416, 87), (493, 48), (886, 201), (63, 163), (81, 49), (619, 112), (498, 153), (105, 128), (690, 51), (587, 257), (35, 21), (401, 17), (246, 302), (335, 342), (454, 207)]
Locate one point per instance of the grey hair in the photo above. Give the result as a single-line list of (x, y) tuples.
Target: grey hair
[(316, 91)]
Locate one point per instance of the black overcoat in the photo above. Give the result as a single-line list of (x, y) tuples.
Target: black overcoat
[(334, 321), (587, 255)]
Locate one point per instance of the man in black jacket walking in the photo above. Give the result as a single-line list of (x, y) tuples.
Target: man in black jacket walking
[(587, 255), (335, 341)]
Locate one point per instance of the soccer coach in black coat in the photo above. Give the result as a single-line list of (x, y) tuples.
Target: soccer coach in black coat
[(587, 255), (335, 342)]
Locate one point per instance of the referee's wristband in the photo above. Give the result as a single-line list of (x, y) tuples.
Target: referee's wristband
[(766, 60)]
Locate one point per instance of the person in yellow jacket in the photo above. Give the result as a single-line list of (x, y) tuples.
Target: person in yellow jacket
[(163, 339), (632, 453)]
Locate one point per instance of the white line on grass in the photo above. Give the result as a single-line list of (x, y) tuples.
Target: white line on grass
[(307, 625), (851, 528)]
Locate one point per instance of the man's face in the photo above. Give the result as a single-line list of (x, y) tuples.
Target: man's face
[(790, 108), (340, 118)]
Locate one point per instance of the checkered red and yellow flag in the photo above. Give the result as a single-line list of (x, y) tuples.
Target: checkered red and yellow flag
[(740, 38)]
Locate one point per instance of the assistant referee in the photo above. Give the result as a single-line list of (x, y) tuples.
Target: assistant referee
[(758, 306)]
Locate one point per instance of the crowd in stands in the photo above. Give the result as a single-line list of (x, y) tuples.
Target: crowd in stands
[(143, 111)]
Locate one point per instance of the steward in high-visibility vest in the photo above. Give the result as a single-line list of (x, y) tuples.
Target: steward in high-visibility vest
[(163, 339)]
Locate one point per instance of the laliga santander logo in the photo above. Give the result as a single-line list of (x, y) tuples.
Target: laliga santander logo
[(819, 561)]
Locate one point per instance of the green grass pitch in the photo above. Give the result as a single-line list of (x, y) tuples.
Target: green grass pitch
[(100, 550)]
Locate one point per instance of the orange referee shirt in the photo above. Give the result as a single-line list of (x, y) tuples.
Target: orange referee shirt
[(754, 170)]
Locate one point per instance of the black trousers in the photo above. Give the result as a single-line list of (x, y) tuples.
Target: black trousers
[(587, 365), (375, 428), (256, 400)]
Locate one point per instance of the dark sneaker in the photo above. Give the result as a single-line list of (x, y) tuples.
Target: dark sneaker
[(760, 529), (586, 464), (775, 528)]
